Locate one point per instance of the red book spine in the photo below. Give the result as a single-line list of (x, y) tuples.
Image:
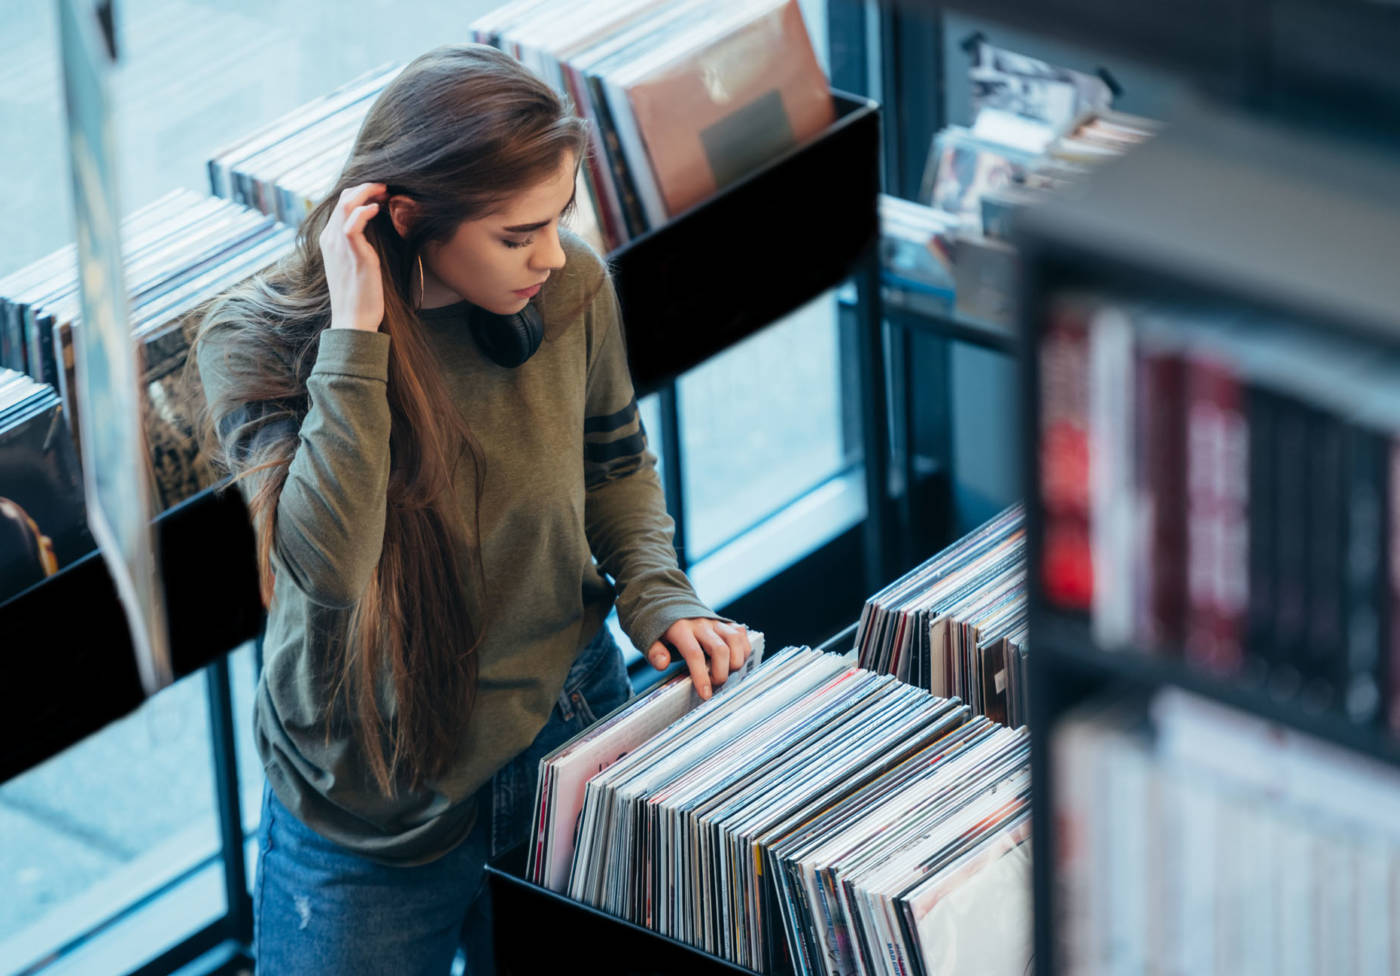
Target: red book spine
[(1217, 485), (1067, 561), (1159, 417)]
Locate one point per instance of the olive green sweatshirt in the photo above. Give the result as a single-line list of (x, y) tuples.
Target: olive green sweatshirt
[(568, 478)]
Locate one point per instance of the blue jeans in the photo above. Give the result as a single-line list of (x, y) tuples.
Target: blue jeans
[(320, 908)]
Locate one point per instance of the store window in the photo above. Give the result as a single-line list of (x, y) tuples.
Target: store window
[(243, 683), (650, 409), (193, 76), (106, 824), (761, 425)]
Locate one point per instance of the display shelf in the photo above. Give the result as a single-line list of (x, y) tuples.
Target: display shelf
[(759, 250), (1067, 645), (1226, 206), (908, 306), (576, 924), (1225, 212), (920, 313), (70, 666)]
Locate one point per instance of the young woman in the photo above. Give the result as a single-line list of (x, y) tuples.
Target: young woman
[(428, 408)]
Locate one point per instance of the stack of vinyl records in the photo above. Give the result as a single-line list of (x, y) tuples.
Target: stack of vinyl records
[(684, 96), (1035, 126), (916, 248), (925, 869), (818, 818), (288, 166), (22, 345), (989, 171), (43, 525), (957, 625), (179, 253), (563, 773), (1194, 838), (1101, 134), (965, 165)]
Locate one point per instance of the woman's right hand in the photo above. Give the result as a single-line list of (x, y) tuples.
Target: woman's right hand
[(352, 266)]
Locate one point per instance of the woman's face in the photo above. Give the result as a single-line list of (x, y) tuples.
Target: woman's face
[(498, 261)]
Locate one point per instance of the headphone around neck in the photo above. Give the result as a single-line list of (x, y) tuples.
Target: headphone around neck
[(506, 340)]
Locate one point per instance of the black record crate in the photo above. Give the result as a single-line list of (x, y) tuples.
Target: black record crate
[(581, 939)]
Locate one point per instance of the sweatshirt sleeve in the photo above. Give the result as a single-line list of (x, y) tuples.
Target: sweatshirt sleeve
[(331, 512), (628, 528)]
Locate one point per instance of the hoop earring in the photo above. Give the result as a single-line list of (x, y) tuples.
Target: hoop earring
[(420, 281)]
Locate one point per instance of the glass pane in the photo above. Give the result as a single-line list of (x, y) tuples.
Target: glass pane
[(814, 14), (192, 78), (984, 393), (650, 409), (761, 425), (37, 212), (243, 685), (107, 822)]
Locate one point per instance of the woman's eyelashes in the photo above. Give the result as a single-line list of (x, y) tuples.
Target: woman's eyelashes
[(514, 244)]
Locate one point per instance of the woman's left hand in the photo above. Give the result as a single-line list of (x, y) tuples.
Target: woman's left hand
[(695, 638)]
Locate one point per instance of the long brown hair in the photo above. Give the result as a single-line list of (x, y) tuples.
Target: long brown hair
[(459, 130)]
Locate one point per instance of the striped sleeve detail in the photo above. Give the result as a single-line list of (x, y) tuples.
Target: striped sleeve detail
[(612, 421), (613, 450), (614, 445)]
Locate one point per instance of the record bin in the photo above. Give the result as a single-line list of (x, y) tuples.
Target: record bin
[(755, 252), (70, 669), (584, 940), (567, 936), (689, 289), (1217, 238)]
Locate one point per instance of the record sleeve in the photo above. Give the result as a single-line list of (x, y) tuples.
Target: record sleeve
[(726, 106), (115, 466), (42, 489)]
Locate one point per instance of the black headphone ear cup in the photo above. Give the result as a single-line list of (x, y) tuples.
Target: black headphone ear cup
[(532, 326), (508, 340)]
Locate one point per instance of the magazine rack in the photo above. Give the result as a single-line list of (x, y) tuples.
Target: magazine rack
[(702, 282), (1142, 230)]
